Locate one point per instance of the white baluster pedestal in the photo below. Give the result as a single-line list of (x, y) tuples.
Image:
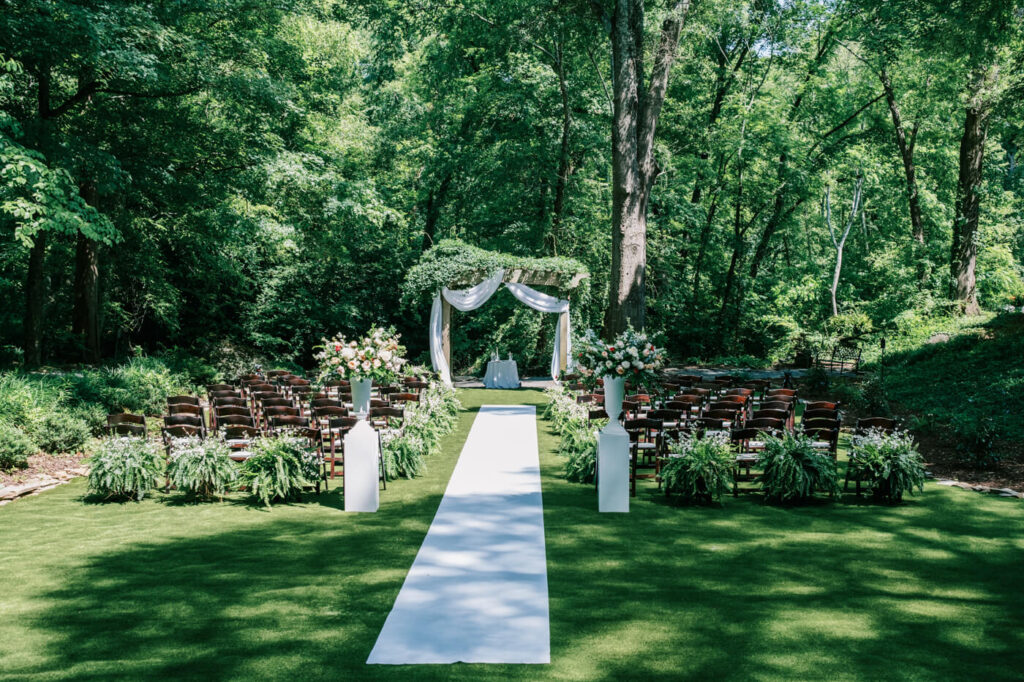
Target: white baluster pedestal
[(362, 469)]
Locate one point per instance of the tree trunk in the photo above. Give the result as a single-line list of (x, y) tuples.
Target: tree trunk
[(35, 300), (907, 154), (634, 120), (85, 315), (563, 157), (964, 252)]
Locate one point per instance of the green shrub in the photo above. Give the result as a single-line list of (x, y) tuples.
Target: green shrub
[(140, 385), (889, 463), (426, 423), (94, 416), (975, 439), (579, 445), (700, 469), (403, 455), (793, 470), (203, 468), (276, 471), (26, 398), (126, 468), (15, 448), (61, 431)]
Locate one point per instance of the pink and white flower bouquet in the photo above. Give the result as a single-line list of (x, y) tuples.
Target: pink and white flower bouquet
[(377, 356), (630, 355)]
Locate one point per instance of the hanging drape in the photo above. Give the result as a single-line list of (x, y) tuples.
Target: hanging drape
[(464, 300), (474, 297), (547, 304)]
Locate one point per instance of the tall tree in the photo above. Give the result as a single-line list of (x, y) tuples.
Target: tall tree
[(636, 108)]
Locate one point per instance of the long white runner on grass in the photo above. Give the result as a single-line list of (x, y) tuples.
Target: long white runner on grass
[(478, 589)]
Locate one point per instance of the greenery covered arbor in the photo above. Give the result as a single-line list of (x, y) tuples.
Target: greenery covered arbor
[(456, 265)]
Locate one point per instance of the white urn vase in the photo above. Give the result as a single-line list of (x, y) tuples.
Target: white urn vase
[(361, 389), (614, 392)]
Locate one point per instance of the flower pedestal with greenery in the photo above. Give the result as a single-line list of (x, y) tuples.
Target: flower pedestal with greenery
[(362, 469), (361, 389), (613, 452), (630, 355)]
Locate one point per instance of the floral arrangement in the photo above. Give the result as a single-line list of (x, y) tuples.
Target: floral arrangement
[(630, 354), (377, 356)]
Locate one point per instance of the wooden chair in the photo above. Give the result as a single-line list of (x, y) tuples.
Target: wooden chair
[(226, 401), (219, 413), (282, 423), (671, 419), (780, 391), (826, 440), (820, 414), (126, 425), (333, 442), (595, 415), (782, 415), (645, 448), (819, 423), (403, 397), (183, 400), (185, 408), (747, 446), (766, 424), (239, 438), (324, 402), (822, 405)]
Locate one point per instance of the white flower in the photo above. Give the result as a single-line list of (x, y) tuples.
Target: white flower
[(352, 364), (367, 365), (347, 353), (385, 355), (620, 370), (376, 363), (625, 365)]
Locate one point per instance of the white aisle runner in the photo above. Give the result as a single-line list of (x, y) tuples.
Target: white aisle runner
[(478, 589)]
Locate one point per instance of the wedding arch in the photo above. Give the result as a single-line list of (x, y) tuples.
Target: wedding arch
[(463, 277)]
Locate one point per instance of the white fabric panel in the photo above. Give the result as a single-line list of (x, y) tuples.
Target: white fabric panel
[(477, 591), (464, 300), (547, 304)]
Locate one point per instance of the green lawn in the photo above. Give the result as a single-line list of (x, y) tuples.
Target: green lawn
[(161, 589)]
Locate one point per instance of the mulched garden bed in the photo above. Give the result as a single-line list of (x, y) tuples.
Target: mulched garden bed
[(41, 465)]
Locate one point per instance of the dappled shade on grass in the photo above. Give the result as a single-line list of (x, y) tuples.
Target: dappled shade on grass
[(927, 590)]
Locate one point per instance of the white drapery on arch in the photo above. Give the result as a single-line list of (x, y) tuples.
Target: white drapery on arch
[(474, 297)]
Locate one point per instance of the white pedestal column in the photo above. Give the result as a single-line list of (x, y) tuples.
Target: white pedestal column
[(613, 469), (362, 469)]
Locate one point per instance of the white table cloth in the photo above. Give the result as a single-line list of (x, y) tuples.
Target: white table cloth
[(501, 374)]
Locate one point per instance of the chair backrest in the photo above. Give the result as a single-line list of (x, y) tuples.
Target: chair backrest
[(740, 437), (789, 399), (183, 400), (274, 373), (240, 432), (881, 423), (181, 431), (220, 395), (417, 385), (667, 414), (262, 388), (820, 414), (342, 423), (287, 422), (268, 403), (324, 402), (829, 435), (688, 399), (725, 405), (725, 415), (232, 401), (127, 425), (703, 423), (388, 413), (740, 391), (821, 405), (766, 423), (404, 398), (233, 420), (774, 405), (630, 407), (734, 398), (641, 398), (781, 391), (809, 424), (184, 408), (301, 390), (183, 419), (212, 388), (330, 412), (586, 398), (770, 413), (297, 381), (697, 391), (281, 411), (232, 411), (645, 427), (594, 415)]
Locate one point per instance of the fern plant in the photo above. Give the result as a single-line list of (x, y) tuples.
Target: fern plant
[(203, 468), (889, 463), (701, 469), (579, 444), (275, 471), (126, 468), (794, 470)]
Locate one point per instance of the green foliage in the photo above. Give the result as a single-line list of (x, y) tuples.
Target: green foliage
[(275, 472), (201, 467), (975, 441), (140, 385), (15, 448), (126, 468), (794, 471), (889, 463), (60, 431), (699, 468), (577, 439), (426, 423)]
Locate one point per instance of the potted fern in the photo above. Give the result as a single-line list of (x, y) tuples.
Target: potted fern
[(700, 468), (202, 468), (889, 463), (794, 470)]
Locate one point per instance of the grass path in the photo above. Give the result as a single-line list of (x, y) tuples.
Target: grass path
[(161, 589)]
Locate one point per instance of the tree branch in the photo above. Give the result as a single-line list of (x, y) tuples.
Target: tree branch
[(845, 122)]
